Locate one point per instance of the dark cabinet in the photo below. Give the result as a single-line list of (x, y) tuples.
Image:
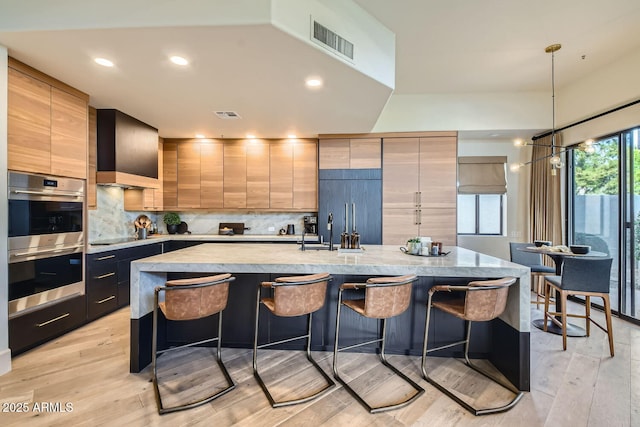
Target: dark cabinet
[(125, 256), (101, 284), (31, 329), (337, 187), (108, 278)]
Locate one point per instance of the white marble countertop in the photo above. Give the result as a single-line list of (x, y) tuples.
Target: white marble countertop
[(214, 238), (376, 260)]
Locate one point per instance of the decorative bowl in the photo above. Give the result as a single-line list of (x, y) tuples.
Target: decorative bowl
[(580, 249), (540, 243)]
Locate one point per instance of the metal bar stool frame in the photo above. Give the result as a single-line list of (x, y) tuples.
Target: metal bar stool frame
[(154, 345), (329, 382), (476, 286), (382, 355)]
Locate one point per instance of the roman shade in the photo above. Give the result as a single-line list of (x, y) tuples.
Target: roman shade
[(482, 175)]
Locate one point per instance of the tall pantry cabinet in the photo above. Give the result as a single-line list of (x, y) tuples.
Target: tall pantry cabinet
[(419, 187)]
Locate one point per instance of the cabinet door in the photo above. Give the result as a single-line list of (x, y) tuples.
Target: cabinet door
[(28, 124), (365, 153), (189, 175), (211, 174), (68, 134), (399, 225), (157, 193), (92, 158), (281, 180), (440, 224), (235, 174), (258, 174), (400, 173), (438, 172), (305, 175), (334, 154), (170, 175)]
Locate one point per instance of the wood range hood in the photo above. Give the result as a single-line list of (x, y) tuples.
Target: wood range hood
[(127, 151)]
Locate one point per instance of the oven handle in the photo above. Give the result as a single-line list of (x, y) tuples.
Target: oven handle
[(44, 193), (60, 250)]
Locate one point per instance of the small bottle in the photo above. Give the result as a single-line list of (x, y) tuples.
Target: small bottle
[(434, 250)]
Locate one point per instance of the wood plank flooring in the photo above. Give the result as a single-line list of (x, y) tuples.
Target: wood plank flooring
[(89, 370)]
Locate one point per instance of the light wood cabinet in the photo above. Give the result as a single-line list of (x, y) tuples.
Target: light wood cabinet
[(281, 180), (350, 153), (47, 124), (269, 175), (189, 174), (92, 166), (211, 174), (305, 175), (258, 173), (28, 124), (419, 188), (170, 175), (68, 135), (235, 175)]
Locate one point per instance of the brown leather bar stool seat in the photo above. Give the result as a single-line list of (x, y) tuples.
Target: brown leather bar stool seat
[(190, 299), (384, 297), (480, 301), (585, 276), (292, 296)]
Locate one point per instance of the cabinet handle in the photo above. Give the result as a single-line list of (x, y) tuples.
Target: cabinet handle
[(47, 251), (55, 319), (415, 217), (419, 216), (419, 198), (104, 275), (102, 301), (102, 258)]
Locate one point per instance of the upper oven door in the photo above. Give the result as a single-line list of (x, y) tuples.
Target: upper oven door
[(41, 204), (34, 217)]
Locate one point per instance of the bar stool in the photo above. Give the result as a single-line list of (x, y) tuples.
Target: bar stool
[(292, 296), (189, 299), (384, 297), (481, 301), (586, 276), (538, 269)]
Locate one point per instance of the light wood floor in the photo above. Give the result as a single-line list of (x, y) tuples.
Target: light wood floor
[(89, 369)]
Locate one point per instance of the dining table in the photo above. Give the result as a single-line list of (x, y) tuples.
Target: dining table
[(558, 255)]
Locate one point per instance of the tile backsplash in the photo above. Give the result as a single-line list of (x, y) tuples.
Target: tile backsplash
[(110, 220)]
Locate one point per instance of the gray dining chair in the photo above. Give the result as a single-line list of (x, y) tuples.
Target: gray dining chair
[(538, 269), (586, 276)]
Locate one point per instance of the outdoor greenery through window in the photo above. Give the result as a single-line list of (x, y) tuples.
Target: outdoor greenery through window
[(480, 214)]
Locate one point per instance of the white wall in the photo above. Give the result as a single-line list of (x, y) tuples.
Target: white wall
[(517, 198), (5, 352)]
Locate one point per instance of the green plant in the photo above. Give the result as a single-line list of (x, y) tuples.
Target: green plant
[(171, 218)]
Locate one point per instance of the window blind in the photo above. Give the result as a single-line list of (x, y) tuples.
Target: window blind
[(482, 175)]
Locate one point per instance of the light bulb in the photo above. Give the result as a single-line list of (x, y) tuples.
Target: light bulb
[(588, 142), (555, 160), (519, 142), (590, 149), (515, 167)]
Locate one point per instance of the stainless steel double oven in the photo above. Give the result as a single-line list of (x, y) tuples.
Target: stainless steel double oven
[(46, 240)]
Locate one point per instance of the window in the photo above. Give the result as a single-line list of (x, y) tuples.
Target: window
[(480, 214)]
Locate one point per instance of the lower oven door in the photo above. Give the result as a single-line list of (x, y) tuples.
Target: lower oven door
[(34, 283)]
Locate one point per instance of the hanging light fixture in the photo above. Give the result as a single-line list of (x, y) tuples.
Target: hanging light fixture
[(556, 152)]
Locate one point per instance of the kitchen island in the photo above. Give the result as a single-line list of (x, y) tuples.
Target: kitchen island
[(505, 341)]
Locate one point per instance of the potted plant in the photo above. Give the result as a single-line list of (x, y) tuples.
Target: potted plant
[(172, 220)]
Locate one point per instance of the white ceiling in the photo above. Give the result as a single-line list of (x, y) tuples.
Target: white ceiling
[(257, 70)]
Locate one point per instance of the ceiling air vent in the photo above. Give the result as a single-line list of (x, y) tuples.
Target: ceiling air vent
[(227, 115), (331, 40)]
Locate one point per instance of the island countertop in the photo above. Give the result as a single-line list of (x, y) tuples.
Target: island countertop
[(375, 260)]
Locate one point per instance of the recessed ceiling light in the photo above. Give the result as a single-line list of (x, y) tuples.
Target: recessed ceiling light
[(179, 60), (313, 82), (104, 62)]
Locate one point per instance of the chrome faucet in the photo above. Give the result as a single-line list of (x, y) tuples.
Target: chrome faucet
[(330, 228)]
